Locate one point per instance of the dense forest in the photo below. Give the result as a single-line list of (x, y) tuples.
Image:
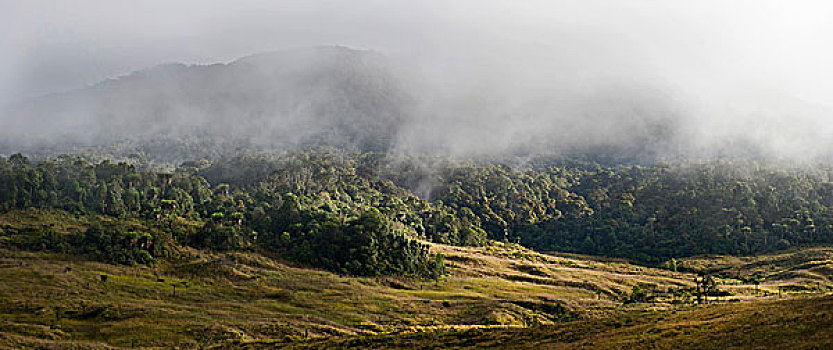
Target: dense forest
[(347, 236), (372, 213)]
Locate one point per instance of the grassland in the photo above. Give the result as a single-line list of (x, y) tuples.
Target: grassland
[(494, 295), (794, 323)]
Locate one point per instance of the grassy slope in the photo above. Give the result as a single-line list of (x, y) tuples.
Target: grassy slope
[(795, 323), (799, 269), (492, 294)]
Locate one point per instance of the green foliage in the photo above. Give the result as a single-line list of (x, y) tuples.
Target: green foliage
[(217, 235), (306, 207), (289, 202), (672, 264), (690, 209), (117, 190), (638, 295), (366, 245), (502, 198), (109, 244), (43, 238), (343, 185)]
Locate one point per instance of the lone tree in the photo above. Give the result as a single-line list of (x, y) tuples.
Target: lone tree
[(671, 264), (705, 285)]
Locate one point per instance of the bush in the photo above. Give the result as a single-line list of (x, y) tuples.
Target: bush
[(115, 246), (364, 246)]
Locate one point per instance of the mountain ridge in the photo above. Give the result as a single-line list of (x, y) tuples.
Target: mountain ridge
[(367, 100), (273, 98)]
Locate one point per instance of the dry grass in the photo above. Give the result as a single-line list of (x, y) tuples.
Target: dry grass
[(798, 323), (501, 292)]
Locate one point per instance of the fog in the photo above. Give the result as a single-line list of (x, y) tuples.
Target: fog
[(653, 79)]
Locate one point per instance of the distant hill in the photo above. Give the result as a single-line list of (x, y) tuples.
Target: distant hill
[(330, 95), (368, 101)]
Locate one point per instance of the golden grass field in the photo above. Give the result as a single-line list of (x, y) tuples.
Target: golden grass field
[(499, 296)]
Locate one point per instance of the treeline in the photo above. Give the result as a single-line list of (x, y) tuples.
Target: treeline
[(721, 207), (342, 184), (650, 214), (300, 226), (112, 243), (366, 213)]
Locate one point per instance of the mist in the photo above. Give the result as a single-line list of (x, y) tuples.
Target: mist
[(647, 80)]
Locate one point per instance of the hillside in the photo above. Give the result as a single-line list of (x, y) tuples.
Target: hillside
[(296, 201), (802, 323), (204, 298), (372, 101), (319, 96), (323, 248), (211, 298)]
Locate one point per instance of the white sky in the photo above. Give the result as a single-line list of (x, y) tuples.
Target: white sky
[(709, 48)]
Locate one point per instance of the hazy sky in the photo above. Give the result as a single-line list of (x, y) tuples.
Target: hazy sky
[(698, 45)]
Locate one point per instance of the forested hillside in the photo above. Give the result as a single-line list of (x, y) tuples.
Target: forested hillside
[(182, 208), (333, 96), (369, 101), (367, 213)]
